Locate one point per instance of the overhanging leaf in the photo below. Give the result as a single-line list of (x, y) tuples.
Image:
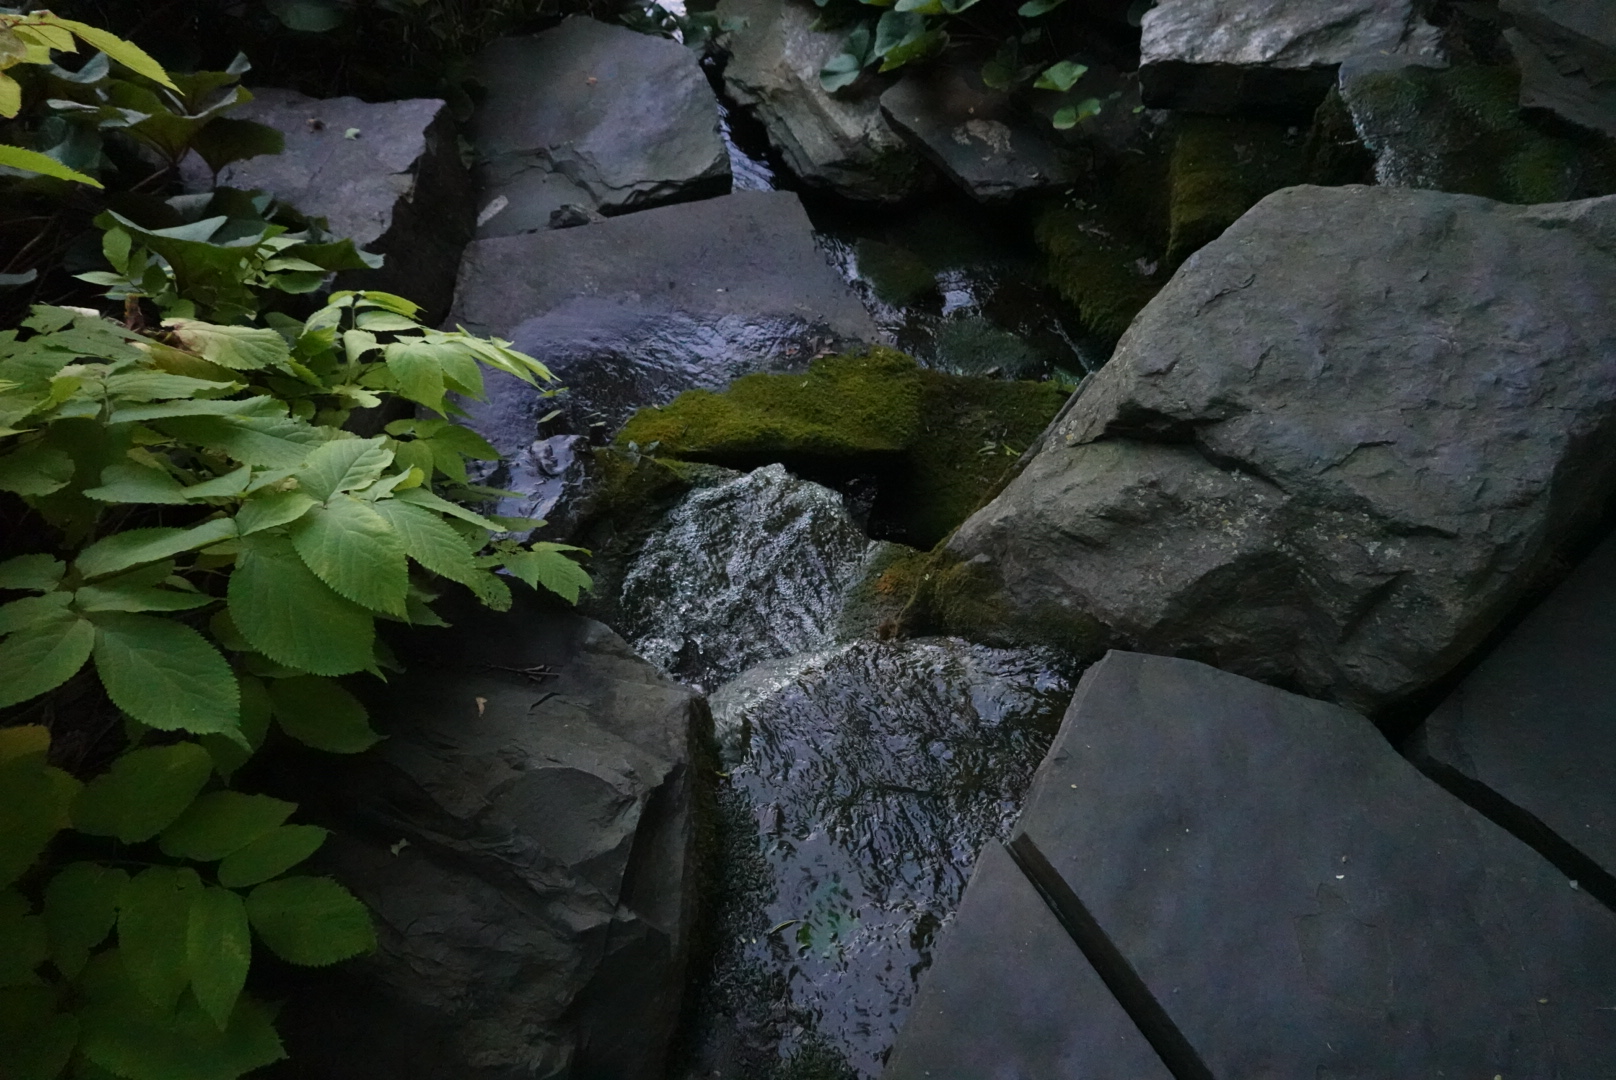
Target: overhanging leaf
[(220, 823), (342, 465), (137, 547), (239, 348), (36, 469), (1062, 76), (428, 540), (153, 926), (127, 482), (35, 573), (293, 617), (43, 656), (143, 792), (353, 549), (270, 855), (15, 157), (310, 921), (165, 674), (218, 952), (81, 906), (320, 713)]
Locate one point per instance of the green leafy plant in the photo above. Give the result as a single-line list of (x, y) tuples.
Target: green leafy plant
[(227, 551)]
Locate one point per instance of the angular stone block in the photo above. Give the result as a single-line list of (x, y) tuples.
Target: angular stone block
[(1299, 901), (387, 175), (1566, 50), (596, 115)]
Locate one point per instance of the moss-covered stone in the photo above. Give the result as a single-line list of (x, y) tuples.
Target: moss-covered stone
[(1099, 265), (1221, 167), (935, 444)]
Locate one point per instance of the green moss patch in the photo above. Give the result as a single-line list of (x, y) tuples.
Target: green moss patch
[(1099, 265), (1221, 167), (936, 445)]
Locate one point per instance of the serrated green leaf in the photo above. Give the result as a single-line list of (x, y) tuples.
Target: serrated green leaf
[(218, 951), (127, 482), (124, 52), (547, 565), (43, 656), (418, 372), (228, 753), (36, 469), (270, 855), (34, 802), (15, 157), (420, 496), (34, 573), (268, 509), (222, 822), (143, 792), (261, 407), (153, 922), (239, 348), (161, 385), (491, 590), (23, 943), (36, 1040), (33, 611), (269, 442), (227, 486), (321, 713), (293, 617), (353, 549), (310, 921), (119, 595), (124, 550), (342, 465), (1062, 76), (81, 906), (429, 541), (165, 674)]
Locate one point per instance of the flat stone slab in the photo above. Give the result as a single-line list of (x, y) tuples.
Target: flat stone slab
[(387, 175), (1533, 724), (595, 115), (1566, 50), (1298, 901), (631, 311), (976, 135), (1009, 994), (1223, 56)]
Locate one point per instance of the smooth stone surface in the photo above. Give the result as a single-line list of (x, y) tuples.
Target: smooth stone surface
[(1566, 50), (592, 114), (1011, 995), (524, 836), (631, 311), (397, 187), (1223, 56), (837, 141), (1533, 723), (1301, 901), (1340, 445), (976, 135)]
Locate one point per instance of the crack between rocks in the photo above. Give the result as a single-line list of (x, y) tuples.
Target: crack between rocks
[(1525, 826), (1113, 968)]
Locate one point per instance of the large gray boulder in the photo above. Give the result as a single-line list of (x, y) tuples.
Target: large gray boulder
[(1267, 55), (525, 838), (631, 311), (1269, 890), (1566, 50), (838, 141), (1528, 735), (593, 115), (1346, 438), (387, 175)]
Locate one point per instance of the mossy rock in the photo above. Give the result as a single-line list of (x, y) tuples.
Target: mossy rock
[(1099, 265), (936, 445), (1221, 167)]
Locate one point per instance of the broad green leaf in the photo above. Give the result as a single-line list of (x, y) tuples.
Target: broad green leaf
[(153, 921), (126, 53), (418, 372), (227, 486), (270, 442), (162, 385), (388, 301), (131, 1038), (219, 951), (354, 550), (15, 157), (34, 802), (428, 540), (143, 792), (23, 943), (43, 656), (342, 465), (36, 1040), (915, 49), (35, 573), (228, 753), (127, 482), (118, 595), (81, 906), (1068, 116), (239, 348), (491, 590), (24, 741), (165, 674), (271, 855), (897, 28), (385, 322), (222, 822), (124, 550), (420, 496), (547, 565), (293, 617), (36, 469), (268, 509), (261, 407), (310, 921), (34, 612), (1062, 76), (321, 713)]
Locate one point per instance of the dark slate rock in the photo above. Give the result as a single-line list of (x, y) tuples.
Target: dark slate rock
[(1009, 994), (1528, 734), (1267, 55), (396, 187), (837, 141), (976, 135), (633, 310), (1298, 901), (1566, 50), (1346, 438), (525, 838), (594, 115)]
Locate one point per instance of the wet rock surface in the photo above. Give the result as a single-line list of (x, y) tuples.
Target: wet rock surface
[(387, 175), (839, 141), (525, 839), (1281, 471), (863, 782), (593, 116), (1527, 736), (1566, 50), (631, 311), (1272, 55), (1211, 832)]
